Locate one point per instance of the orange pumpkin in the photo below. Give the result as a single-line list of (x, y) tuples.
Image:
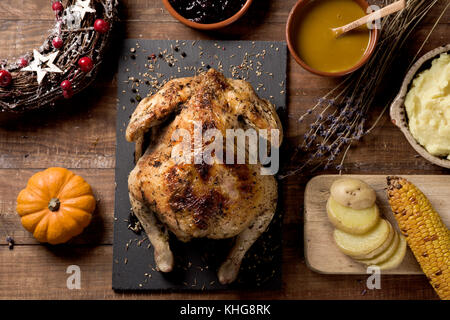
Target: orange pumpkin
[(56, 205)]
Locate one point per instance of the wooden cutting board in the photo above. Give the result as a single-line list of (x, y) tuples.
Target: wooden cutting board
[(322, 254)]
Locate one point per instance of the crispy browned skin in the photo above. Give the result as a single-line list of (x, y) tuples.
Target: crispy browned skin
[(200, 200)]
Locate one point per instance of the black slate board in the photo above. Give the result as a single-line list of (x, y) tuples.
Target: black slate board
[(143, 66)]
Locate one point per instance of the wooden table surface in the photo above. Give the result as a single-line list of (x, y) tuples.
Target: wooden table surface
[(80, 135)]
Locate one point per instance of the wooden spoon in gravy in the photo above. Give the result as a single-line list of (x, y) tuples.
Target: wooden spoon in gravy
[(392, 8)]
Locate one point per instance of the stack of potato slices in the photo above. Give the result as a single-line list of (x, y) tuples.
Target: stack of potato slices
[(360, 232)]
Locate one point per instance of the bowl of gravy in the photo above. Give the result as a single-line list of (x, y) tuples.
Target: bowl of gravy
[(314, 46)]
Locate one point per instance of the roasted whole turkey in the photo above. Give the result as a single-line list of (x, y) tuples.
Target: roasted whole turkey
[(195, 199)]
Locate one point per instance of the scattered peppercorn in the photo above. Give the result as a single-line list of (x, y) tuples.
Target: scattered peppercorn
[(183, 54), (138, 98), (10, 242)]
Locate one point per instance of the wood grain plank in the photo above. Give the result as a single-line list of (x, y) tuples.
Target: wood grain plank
[(274, 11), (100, 231), (264, 21), (242, 30), (133, 10), (30, 142), (44, 277), (18, 9), (80, 134), (299, 282), (21, 36)]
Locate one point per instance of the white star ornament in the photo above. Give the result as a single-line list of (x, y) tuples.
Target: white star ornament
[(83, 7), (42, 65)]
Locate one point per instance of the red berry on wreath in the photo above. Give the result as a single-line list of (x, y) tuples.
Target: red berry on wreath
[(57, 42), (68, 93), (5, 78), (66, 85), (101, 26), (57, 6), (85, 64), (22, 62)]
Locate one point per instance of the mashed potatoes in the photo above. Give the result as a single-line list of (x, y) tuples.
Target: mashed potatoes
[(428, 107)]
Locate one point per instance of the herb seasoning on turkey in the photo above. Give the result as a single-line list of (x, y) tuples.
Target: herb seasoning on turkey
[(217, 200), (207, 11)]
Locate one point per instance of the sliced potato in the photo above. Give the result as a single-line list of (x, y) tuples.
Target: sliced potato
[(351, 220), (360, 245), (397, 258), (353, 193), (385, 255), (381, 248)]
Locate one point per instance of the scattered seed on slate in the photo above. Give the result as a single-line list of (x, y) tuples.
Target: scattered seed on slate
[(155, 80)]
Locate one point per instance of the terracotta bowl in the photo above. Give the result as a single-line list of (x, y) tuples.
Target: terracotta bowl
[(209, 26), (291, 27), (398, 111)]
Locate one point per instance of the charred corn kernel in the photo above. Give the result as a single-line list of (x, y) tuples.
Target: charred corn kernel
[(426, 234)]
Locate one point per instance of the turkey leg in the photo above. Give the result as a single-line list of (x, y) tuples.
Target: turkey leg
[(157, 233), (229, 270)]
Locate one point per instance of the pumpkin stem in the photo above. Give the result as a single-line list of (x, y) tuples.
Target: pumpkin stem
[(54, 204)]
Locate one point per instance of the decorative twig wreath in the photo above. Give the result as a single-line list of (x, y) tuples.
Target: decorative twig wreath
[(66, 63)]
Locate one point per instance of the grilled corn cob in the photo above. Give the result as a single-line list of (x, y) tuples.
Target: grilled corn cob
[(426, 234)]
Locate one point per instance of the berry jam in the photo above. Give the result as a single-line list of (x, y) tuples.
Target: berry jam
[(207, 11)]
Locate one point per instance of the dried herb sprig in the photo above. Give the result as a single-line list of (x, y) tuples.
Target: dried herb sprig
[(9, 239), (341, 114)]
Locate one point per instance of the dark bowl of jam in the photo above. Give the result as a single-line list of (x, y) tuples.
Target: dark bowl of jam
[(207, 14)]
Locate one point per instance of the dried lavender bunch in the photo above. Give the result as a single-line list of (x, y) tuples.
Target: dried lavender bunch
[(341, 115)]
